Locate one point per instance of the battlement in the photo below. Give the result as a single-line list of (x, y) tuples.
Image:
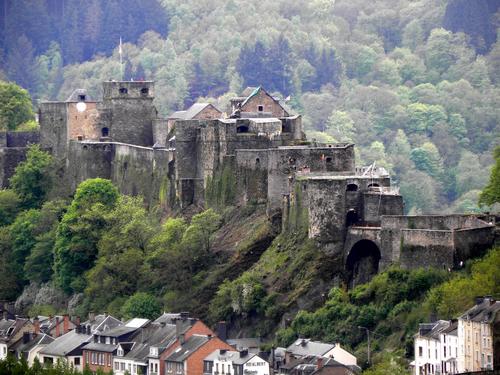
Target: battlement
[(128, 90)]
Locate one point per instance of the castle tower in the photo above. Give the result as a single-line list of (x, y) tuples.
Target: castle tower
[(131, 112)]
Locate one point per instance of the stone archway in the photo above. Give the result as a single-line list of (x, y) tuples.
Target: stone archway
[(362, 262)]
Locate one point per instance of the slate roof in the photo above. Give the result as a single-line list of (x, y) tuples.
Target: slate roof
[(119, 331), (100, 347), (230, 355), (191, 112), (304, 347), (5, 325), (188, 348), (65, 344), (483, 312), (152, 335), (245, 343), (167, 318), (179, 115), (20, 346), (102, 322), (433, 330), (248, 91)]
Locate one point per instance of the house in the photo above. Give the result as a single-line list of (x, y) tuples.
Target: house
[(479, 335), (330, 366), (11, 331), (67, 348), (184, 327), (306, 347), (198, 111), (436, 348), (30, 345), (57, 325), (230, 362), (256, 102), (308, 365), (100, 351), (187, 358)]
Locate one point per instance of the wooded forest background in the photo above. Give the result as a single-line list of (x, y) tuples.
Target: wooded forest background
[(414, 83)]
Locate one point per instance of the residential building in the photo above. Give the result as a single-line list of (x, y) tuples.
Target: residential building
[(30, 345), (67, 348), (478, 336), (230, 362), (330, 366), (100, 351), (252, 344), (185, 327), (11, 331), (308, 365), (187, 358), (436, 348)]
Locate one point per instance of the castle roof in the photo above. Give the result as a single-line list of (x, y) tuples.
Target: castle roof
[(192, 111)]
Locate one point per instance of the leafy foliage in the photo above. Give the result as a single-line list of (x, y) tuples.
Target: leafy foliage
[(33, 179), (15, 106), (141, 305), (491, 193)]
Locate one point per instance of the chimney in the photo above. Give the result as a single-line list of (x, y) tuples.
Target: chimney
[(478, 300), (178, 327), (36, 324), (88, 329), (77, 320), (5, 315), (182, 339), (58, 332), (184, 315), (91, 316), (319, 362), (221, 330), (78, 328), (65, 323), (243, 353)]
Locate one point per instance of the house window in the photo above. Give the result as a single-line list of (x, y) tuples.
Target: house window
[(122, 366), (144, 91), (444, 351), (77, 361), (117, 366), (420, 351), (261, 108), (123, 90)]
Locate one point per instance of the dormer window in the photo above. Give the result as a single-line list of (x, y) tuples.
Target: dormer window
[(153, 351), (123, 91), (119, 352)]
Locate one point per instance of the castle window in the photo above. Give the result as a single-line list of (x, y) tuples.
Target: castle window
[(123, 90), (81, 98), (242, 129), (261, 108), (329, 159), (105, 132), (144, 91), (257, 161), (374, 187), (351, 218), (352, 187)]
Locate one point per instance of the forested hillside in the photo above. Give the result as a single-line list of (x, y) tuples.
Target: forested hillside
[(399, 78)]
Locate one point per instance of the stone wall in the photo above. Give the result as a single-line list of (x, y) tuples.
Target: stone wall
[(377, 204), (9, 159), (21, 139), (472, 242), (83, 124), (436, 222), (251, 176), (426, 248), (53, 128)]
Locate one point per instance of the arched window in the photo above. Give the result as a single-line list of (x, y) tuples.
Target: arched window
[(352, 217), (105, 132)]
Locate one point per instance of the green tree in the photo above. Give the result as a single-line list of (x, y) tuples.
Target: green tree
[(32, 179), (491, 193), (15, 106), (423, 117), (201, 228), (141, 305), (79, 231), (341, 127), (427, 159), (10, 205)]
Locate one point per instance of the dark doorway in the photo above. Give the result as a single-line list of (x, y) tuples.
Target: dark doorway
[(352, 217), (362, 262), (105, 132)]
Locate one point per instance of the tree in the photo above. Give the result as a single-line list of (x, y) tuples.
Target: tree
[(427, 159), (21, 64), (32, 179), (423, 117), (491, 193), (202, 227), (80, 230), (10, 205), (15, 106), (141, 305), (341, 127)]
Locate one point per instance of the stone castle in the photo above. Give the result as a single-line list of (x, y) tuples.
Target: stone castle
[(261, 151)]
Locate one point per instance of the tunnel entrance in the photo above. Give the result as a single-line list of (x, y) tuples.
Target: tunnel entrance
[(362, 262)]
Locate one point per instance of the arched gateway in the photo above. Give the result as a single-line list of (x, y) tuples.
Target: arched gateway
[(362, 262)]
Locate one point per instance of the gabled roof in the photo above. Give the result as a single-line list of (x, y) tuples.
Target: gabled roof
[(249, 90), (191, 112), (100, 347), (152, 335), (188, 348), (304, 347), (433, 330), (237, 358), (483, 312), (5, 324), (35, 340), (65, 344), (102, 322), (167, 318), (245, 343)]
